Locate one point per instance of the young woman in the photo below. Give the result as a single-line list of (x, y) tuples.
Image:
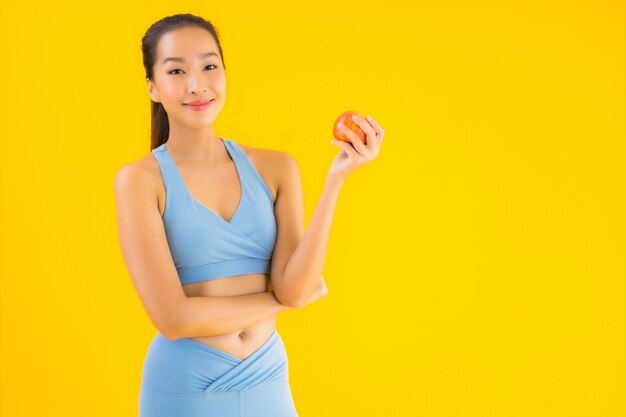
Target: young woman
[(207, 226)]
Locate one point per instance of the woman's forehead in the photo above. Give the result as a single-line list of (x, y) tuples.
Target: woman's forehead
[(187, 43)]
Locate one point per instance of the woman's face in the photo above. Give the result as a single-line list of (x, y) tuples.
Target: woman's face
[(190, 77)]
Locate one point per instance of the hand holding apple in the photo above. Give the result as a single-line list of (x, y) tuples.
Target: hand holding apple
[(360, 138)]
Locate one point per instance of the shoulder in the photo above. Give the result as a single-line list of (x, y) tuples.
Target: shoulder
[(277, 165), (141, 174), (263, 154)]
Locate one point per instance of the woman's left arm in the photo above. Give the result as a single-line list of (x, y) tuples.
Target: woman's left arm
[(297, 272), (299, 256)]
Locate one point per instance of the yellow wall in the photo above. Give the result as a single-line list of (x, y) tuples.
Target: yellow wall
[(476, 269)]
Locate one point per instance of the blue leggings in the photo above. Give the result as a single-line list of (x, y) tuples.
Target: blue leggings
[(188, 378)]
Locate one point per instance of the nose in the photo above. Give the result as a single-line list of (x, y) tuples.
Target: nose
[(197, 86), (199, 90)]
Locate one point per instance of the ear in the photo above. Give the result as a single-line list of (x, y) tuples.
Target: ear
[(152, 91)]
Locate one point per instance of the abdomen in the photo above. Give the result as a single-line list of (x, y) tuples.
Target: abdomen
[(240, 343)]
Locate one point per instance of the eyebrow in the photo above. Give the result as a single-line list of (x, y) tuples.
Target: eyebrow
[(179, 59)]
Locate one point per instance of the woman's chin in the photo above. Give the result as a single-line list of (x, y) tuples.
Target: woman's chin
[(199, 122)]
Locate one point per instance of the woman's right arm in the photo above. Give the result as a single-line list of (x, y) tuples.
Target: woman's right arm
[(145, 250)]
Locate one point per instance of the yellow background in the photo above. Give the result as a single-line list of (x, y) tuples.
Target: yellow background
[(475, 269)]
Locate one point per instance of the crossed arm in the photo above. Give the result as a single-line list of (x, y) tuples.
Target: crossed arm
[(297, 261)]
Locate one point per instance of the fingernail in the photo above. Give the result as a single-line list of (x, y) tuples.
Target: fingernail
[(355, 117)]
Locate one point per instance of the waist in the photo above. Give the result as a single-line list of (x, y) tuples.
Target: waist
[(185, 366), (244, 342), (239, 343), (228, 286)]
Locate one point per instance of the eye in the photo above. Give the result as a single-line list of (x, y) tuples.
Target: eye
[(210, 65)]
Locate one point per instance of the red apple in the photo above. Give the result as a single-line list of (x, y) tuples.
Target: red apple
[(345, 119)]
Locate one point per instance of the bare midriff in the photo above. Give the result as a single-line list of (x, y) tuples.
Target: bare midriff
[(243, 342), (240, 343)]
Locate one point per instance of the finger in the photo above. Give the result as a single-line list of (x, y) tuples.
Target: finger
[(376, 125), (355, 140), (352, 153), (380, 132), (368, 129)]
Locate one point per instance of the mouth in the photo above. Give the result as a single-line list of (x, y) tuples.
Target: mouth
[(199, 107), (198, 103)]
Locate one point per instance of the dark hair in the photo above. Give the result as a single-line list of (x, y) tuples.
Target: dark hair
[(160, 124)]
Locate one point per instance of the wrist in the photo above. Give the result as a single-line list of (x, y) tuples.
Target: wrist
[(334, 182)]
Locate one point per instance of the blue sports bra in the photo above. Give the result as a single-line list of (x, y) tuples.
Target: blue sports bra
[(204, 246)]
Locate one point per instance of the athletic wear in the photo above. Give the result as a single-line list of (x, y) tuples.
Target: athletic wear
[(187, 378), (204, 246)]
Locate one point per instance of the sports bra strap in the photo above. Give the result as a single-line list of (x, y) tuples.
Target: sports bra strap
[(171, 179)]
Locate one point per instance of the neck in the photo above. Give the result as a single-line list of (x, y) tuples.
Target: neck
[(199, 145)]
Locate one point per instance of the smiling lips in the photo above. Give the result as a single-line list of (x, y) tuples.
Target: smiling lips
[(199, 104)]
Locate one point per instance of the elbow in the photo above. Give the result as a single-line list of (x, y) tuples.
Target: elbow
[(287, 301), (299, 302), (170, 330), (171, 326)]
